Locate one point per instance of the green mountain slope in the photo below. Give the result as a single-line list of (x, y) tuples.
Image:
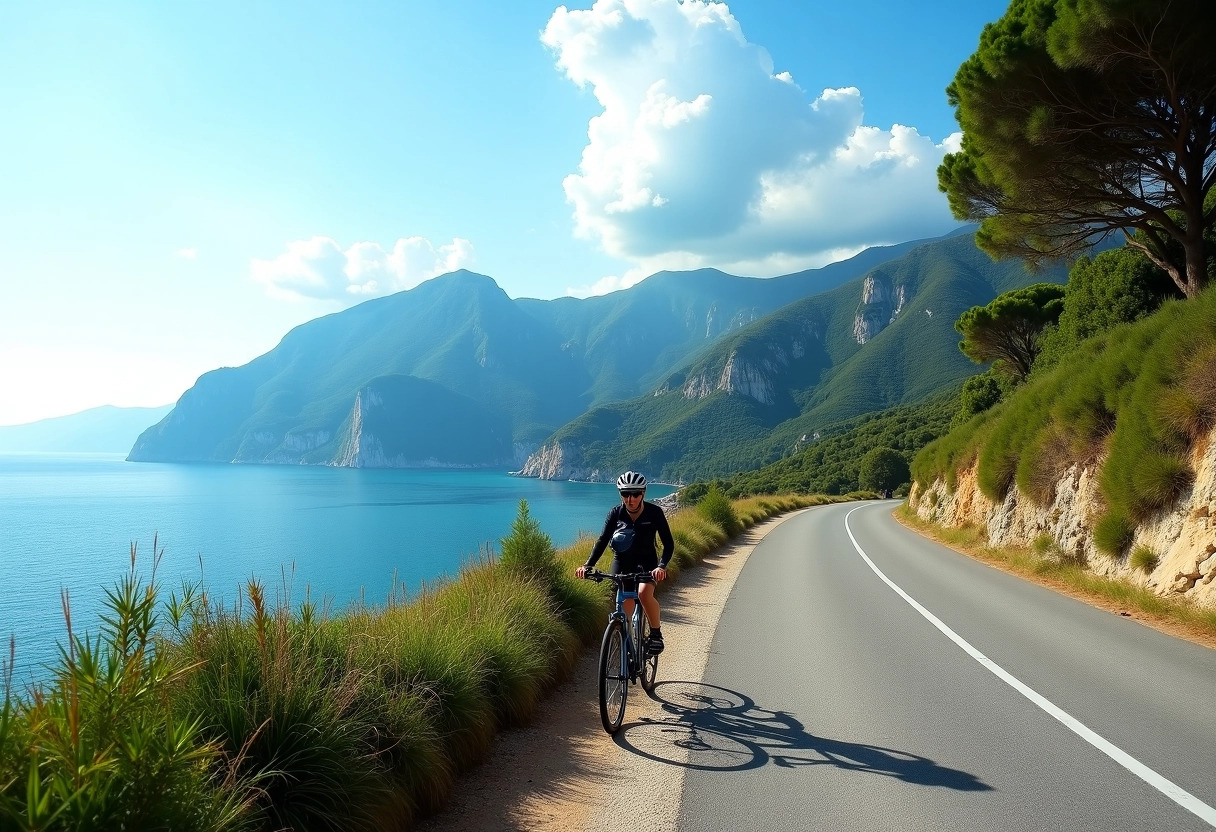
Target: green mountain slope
[(460, 332), (756, 395), (632, 339), (506, 373)]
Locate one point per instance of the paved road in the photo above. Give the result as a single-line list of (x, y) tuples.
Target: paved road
[(831, 702)]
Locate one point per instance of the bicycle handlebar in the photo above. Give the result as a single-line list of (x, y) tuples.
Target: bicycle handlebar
[(618, 577)]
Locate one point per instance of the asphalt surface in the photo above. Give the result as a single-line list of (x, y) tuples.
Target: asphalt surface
[(831, 702)]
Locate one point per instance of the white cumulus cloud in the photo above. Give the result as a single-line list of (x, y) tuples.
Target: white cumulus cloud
[(703, 156), (319, 268)]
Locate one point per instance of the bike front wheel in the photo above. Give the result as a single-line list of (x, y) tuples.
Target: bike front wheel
[(614, 684), (650, 661)]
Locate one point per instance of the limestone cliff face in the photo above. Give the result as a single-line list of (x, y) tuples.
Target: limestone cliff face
[(714, 323), (363, 444), (1184, 537), (881, 303), (739, 376), (562, 461), (756, 376)]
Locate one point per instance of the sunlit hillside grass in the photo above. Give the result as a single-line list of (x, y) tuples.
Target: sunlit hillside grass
[(1134, 398)]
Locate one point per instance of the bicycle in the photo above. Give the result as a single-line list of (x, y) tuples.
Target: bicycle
[(624, 658)]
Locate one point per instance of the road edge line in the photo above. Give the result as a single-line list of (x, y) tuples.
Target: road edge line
[(1162, 784)]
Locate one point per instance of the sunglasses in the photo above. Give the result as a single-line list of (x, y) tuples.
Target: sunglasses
[(632, 493)]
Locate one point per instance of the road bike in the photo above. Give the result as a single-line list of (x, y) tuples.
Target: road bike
[(624, 658)]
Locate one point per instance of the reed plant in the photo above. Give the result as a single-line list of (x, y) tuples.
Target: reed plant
[(101, 745)]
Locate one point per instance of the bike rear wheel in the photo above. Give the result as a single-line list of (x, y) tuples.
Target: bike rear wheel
[(650, 661), (614, 683)]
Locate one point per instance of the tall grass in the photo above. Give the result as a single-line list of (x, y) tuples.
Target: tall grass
[(101, 746), (186, 715)]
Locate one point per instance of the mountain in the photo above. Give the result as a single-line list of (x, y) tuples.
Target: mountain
[(98, 430), (455, 373), (765, 390)]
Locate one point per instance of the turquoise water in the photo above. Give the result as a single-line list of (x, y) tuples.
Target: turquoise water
[(68, 522)]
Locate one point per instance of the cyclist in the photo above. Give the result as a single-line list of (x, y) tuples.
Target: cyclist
[(632, 526)]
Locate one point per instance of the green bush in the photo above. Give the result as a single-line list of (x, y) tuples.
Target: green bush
[(1144, 559), (717, 508), (883, 469), (1113, 534), (980, 393), (281, 698), (1117, 286), (528, 550)]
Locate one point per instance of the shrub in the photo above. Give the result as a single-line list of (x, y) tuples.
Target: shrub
[(528, 550), (1144, 559), (883, 469), (980, 393), (1113, 534), (716, 507), (1044, 463), (692, 493), (1158, 480)]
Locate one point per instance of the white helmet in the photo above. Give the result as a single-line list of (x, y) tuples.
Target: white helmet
[(630, 481)]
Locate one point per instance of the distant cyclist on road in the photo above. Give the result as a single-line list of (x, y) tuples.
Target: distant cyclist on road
[(631, 527)]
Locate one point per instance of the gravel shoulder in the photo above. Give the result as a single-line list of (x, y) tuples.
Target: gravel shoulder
[(563, 772)]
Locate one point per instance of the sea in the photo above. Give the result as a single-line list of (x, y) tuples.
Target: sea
[(69, 522)]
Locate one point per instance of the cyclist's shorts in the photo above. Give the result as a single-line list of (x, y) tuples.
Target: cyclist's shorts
[(629, 562)]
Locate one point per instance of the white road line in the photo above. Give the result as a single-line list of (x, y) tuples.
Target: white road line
[(1167, 787)]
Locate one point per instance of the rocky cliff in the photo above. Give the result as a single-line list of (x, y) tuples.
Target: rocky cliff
[(1183, 538), (562, 461), (881, 302)]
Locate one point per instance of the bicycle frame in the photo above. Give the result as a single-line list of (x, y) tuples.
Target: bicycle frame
[(631, 663), (624, 633)]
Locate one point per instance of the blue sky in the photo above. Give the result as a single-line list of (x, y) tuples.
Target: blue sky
[(182, 183)]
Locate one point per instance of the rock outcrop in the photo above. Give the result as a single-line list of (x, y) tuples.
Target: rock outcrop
[(881, 303), (562, 461), (1183, 538), (755, 374), (740, 377)]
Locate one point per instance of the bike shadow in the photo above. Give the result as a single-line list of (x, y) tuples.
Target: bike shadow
[(710, 728)]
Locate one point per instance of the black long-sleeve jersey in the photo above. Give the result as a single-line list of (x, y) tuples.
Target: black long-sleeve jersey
[(642, 554)]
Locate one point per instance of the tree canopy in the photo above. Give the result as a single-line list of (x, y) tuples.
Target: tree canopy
[(1116, 287), (883, 469), (1010, 329), (1085, 117)]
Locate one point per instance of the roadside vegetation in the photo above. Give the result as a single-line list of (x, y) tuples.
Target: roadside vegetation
[(178, 713), (1133, 399)]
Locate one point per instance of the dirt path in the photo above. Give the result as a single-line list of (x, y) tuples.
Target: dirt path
[(563, 772)]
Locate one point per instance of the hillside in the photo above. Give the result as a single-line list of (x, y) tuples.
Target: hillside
[(883, 339), (104, 429), (455, 373), (1109, 458)]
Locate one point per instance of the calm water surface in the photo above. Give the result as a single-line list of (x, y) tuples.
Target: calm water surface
[(68, 522)]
